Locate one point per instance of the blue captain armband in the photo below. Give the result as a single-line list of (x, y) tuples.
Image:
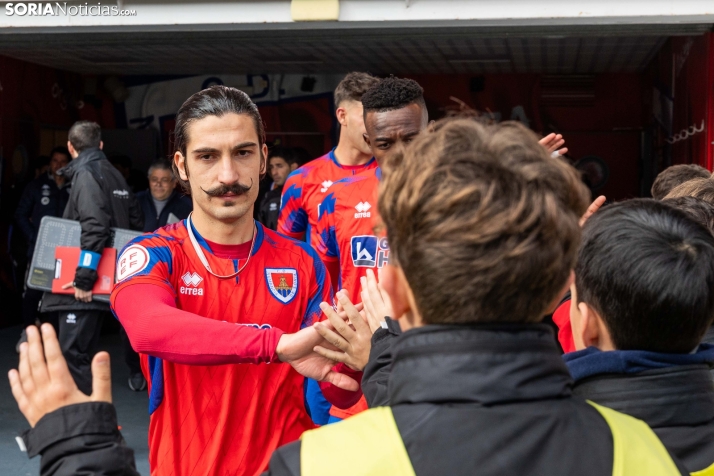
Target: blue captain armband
[(89, 259)]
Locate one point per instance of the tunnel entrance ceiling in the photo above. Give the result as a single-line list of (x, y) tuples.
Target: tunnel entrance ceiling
[(585, 49)]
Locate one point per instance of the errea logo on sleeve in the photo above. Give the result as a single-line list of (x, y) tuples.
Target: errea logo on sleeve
[(325, 185)]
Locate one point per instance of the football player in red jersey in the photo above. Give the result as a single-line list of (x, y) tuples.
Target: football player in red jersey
[(394, 114), (306, 187), (219, 289)]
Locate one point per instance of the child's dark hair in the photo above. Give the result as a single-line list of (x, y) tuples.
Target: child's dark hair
[(648, 270)]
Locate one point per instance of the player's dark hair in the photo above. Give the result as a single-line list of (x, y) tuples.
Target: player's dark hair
[(287, 153), (353, 86), (60, 150), (697, 209), (85, 135), (675, 175), (648, 270), (392, 93), (213, 101)]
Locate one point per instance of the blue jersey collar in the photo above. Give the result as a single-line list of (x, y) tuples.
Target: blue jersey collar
[(332, 157)]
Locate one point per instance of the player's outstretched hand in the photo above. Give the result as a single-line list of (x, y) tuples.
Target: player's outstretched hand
[(42, 383), (375, 299), (353, 339), (297, 350), (553, 143)]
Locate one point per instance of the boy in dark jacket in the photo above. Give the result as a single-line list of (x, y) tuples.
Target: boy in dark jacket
[(641, 304), (483, 234)]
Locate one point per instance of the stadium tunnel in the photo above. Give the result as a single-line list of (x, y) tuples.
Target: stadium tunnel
[(630, 97)]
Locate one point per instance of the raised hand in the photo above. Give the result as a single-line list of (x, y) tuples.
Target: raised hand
[(375, 299), (594, 206), (353, 338), (42, 383), (553, 143)]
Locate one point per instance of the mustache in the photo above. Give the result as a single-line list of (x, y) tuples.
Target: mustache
[(236, 189)]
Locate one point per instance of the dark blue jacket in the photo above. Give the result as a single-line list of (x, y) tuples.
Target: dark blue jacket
[(40, 198), (178, 204)]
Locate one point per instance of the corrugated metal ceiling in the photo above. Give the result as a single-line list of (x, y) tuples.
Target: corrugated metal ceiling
[(585, 50)]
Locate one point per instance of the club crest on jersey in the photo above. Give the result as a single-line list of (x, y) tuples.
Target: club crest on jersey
[(282, 282), (133, 260), (369, 251)]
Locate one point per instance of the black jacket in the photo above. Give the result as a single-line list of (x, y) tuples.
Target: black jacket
[(270, 208), (676, 402), (80, 439), (487, 400), (99, 199), (41, 197), (178, 204)]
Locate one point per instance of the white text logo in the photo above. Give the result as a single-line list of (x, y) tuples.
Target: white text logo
[(36, 9), (71, 319), (363, 210), (191, 280)]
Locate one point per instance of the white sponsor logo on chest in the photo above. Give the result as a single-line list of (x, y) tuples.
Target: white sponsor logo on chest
[(363, 210), (192, 281)]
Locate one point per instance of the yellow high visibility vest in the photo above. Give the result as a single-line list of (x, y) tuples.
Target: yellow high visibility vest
[(705, 472), (370, 444)]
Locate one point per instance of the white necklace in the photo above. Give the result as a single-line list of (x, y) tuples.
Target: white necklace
[(202, 257)]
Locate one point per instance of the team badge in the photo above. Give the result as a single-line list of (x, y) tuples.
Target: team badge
[(133, 260), (283, 283)]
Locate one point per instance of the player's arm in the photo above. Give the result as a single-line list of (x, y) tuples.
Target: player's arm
[(292, 220), (156, 327)]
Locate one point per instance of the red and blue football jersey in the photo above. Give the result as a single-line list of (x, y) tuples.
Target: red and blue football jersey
[(346, 233), (346, 230), (226, 419), (304, 190)]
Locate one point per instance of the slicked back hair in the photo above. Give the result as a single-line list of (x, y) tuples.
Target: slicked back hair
[(85, 135), (482, 221), (648, 270), (353, 86), (213, 101), (675, 175)]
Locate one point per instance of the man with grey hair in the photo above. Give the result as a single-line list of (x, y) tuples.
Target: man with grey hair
[(99, 199), (162, 204)]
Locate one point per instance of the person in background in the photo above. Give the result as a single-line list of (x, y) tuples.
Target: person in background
[(675, 175), (305, 188), (134, 178), (161, 205), (281, 162), (47, 195), (641, 303), (99, 200)]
